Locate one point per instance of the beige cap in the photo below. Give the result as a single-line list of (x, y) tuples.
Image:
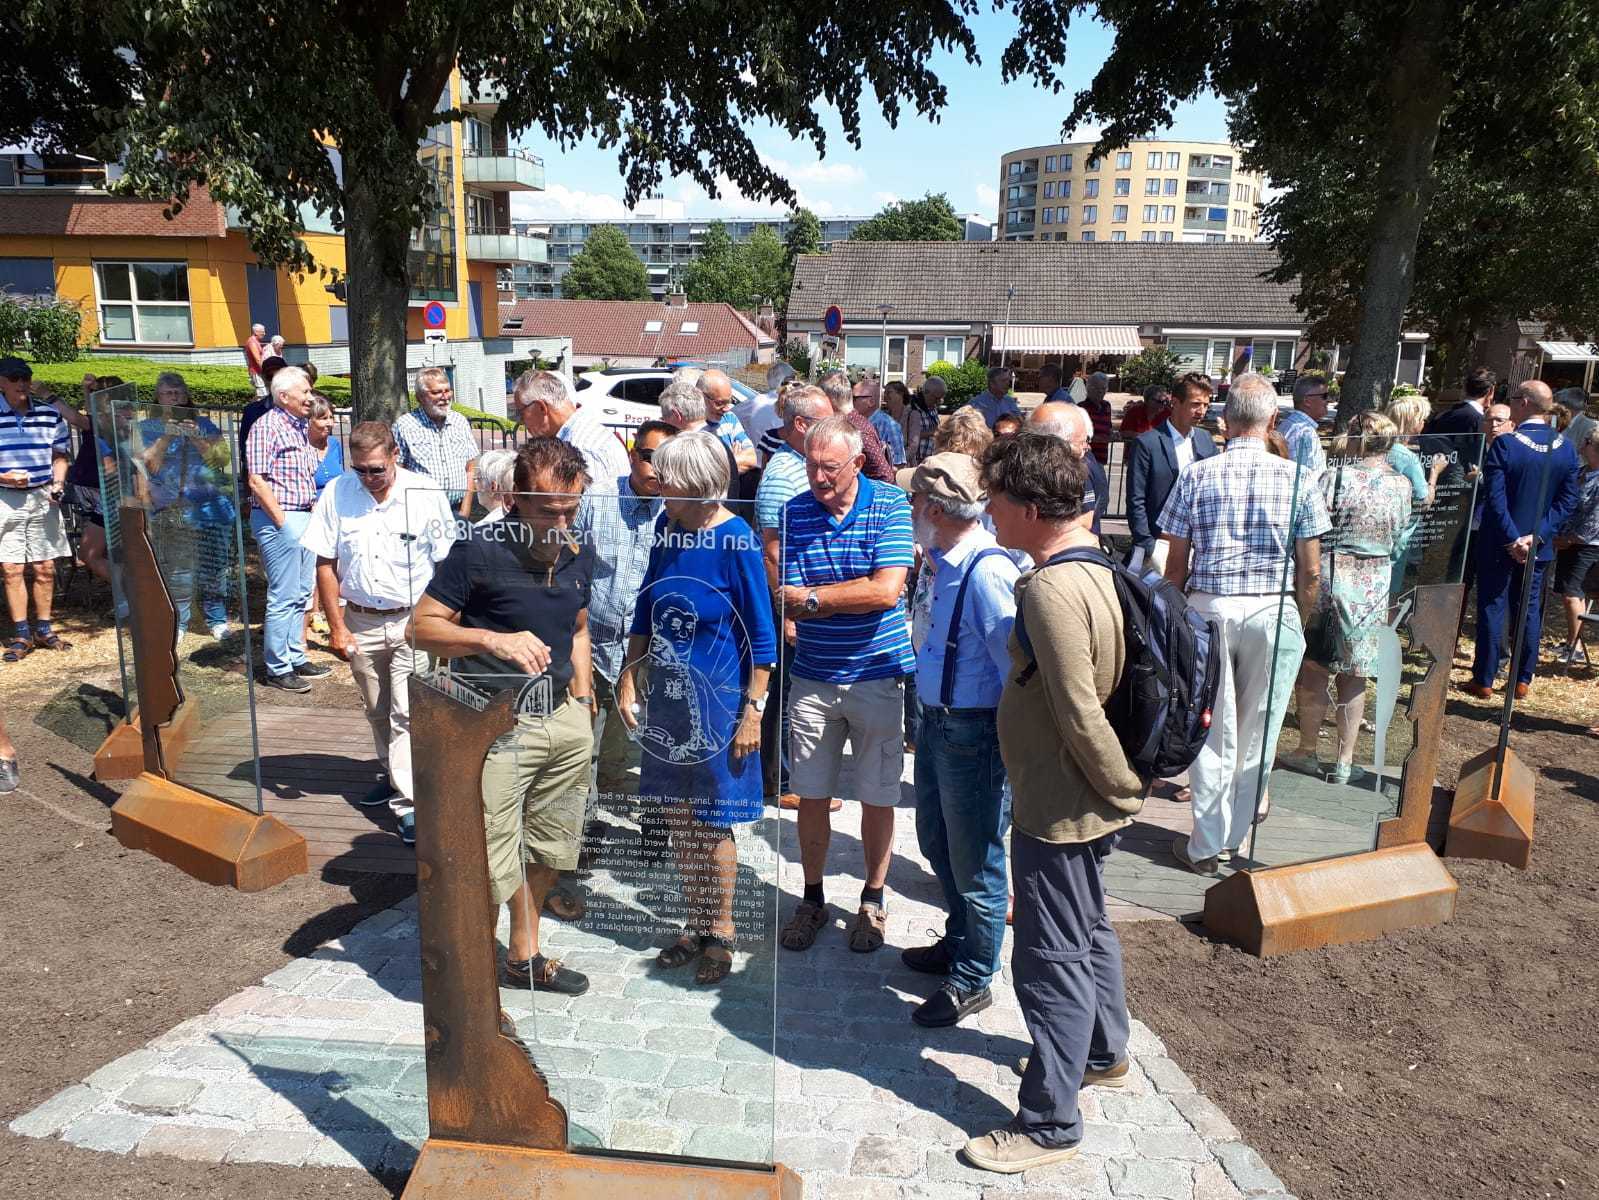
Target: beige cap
[(948, 476)]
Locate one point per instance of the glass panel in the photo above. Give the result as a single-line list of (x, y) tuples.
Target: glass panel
[(176, 474), (116, 322), (637, 822), (160, 281), (114, 283), (163, 323)]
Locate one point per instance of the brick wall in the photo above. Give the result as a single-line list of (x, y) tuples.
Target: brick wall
[(46, 215)]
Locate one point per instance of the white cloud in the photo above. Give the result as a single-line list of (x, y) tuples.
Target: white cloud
[(819, 174), (987, 198), (884, 199), (560, 203)]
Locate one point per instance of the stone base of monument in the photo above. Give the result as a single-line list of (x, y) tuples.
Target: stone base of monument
[(121, 755), (213, 841), (449, 1170), (1493, 812), (1329, 901)]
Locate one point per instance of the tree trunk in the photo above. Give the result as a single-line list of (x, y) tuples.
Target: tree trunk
[(1417, 91), (376, 249), (1449, 357)]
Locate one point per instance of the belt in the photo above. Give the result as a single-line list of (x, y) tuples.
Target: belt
[(374, 612), (959, 712)]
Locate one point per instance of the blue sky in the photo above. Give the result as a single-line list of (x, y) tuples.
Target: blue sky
[(959, 155)]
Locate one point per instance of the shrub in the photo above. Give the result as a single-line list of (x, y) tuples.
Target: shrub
[(1151, 367), (797, 354), (962, 382), (210, 386), (1401, 390), (47, 328)]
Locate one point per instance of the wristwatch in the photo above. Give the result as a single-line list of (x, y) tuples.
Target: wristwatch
[(758, 703), (812, 605), (586, 701)]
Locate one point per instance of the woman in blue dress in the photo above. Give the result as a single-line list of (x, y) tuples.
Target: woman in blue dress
[(330, 465), (704, 637)]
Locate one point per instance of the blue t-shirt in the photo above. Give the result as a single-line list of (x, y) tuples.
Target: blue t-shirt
[(893, 437), (821, 549), (332, 465)]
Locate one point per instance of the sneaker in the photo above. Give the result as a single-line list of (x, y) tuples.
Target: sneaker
[(10, 776), (288, 681), (1010, 1151), (1565, 656), (380, 793), (929, 960), (1302, 763), (311, 670), (408, 829), (949, 1006), (221, 632), (545, 975), (1111, 1077), (1341, 773), (1199, 866)]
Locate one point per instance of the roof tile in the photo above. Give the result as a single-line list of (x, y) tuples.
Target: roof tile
[(600, 328)]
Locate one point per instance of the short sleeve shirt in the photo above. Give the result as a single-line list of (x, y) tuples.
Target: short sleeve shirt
[(31, 439), (783, 479), (893, 437), (277, 451), (822, 549), (492, 579), (441, 452), (383, 553)]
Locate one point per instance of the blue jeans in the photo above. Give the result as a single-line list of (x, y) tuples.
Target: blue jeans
[(962, 815), (190, 554), (290, 570)]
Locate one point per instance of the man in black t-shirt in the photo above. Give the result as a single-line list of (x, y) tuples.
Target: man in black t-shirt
[(510, 605)]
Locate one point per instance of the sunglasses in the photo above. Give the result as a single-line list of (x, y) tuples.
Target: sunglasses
[(370, 472)]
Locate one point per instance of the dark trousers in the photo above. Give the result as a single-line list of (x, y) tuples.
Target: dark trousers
[(774, 724), (913, 714), (1499, 583), (962, 813), (1067, 966)]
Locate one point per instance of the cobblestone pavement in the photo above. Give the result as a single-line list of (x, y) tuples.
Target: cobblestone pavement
[(322, 1064)]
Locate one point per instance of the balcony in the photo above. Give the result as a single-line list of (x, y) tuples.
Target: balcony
[(502, 244), (1203, 168), (1195, 219), (482, 100), (502, 170), (65, 172)]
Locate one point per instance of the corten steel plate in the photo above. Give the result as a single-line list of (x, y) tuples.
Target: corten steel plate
[(1434, 627), (121, 755), (153, 626), (209, 839), (1493, 813), (1332, 900)]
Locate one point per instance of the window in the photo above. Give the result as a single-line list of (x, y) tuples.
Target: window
[(943, 349), (1151, 213), (1013, 194), (1149, 235), (1279, 355), (1049, 216), (1124, 160), (1088, 235), (1062, 215), (1173, 160), (1014, 169), (1049, 163), (652, 327), (1090, 213), (1049, 191), (863, 351), (28, 276), (1165, 235), (1151, 186), (1091, 188), (1171, 187), (1013, 217), (1118, 212), (689, 327), (1065, 189), (1094, 164), (1152, 163), (143, 301), (1168, 213), (1217, 214), (1124, 187), (1065, 162), (1118, 235)]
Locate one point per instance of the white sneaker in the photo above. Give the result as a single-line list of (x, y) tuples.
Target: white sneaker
[(220, 631)]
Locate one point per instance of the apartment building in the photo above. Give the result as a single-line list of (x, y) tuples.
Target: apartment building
[(187, 290), (667, 246), (1150, 191)]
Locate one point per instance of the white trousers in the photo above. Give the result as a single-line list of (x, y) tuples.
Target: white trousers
[(382, 666), (1261, 647)]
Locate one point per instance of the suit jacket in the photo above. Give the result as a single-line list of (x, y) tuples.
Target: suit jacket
[(1151, 475), (1099, 485), (1529, 481), (1455, 434)]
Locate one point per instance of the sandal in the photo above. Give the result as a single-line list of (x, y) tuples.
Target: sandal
[(866, 934), (808, 920), (18, 650), (713, 970), (565, 904), (50, 641), (681, 952)]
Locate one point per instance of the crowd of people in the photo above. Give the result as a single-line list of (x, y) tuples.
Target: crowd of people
[(700, 619)]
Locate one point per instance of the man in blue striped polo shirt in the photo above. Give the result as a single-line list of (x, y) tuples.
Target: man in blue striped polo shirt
[(34, 456), (849, 548)]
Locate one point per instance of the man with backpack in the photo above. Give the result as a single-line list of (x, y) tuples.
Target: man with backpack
[(1073, 789), (961, 624)]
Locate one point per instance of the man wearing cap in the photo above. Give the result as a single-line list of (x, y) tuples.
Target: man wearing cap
[(34, 456), (961, 625)]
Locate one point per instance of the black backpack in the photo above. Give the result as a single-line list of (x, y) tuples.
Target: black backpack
[(1162, 704)]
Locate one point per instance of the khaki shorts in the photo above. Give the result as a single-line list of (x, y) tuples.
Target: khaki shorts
[(31, 529), (535, 781), (869, 715)]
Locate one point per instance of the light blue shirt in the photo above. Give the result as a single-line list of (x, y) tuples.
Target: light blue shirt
[(993, 409), (893, 436), (622, 530), (783, 479), (1303, 438), (981, 656)]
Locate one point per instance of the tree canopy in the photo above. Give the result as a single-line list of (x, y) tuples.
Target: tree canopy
[(606, 269), (930, 219), (743, 274)]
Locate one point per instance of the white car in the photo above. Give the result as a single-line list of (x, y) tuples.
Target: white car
[(631, 395)]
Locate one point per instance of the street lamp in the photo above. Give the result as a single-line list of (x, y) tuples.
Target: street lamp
[(882, 358)]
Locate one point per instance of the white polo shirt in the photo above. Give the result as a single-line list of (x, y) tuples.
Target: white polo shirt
[(384, 553)]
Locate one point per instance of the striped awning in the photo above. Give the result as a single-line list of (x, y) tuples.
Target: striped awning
[(1067, 339), (1569, 351)]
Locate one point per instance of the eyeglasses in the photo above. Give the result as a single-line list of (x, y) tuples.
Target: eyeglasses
[(647, 454), (370, 472)]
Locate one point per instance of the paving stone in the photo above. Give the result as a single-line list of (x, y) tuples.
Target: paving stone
[(706, 1108), (645, 1137), (117, 1133), (1105, 1139), (49, 1118), (1139, 1110), (897, 1158), (841, 1084), (932, 1127), (1247, 1169), (413, 1081), (288, 1147), (639, 1066), (196, 1143), (863, 1115), (734, 1048), (814, 1153), (118, 1073), (205, 1058), (1082, 1178), (1211, 1183), (1141, 1041), (236, 1099), (604, 1033), (1169, 1141), (729, 1145), (1167, 1076), (286, 978), (1208, 1121), (159, 1095), (1153, 1179), (945, 1166), (361, 1149), (241, 1003), (842, 1187)]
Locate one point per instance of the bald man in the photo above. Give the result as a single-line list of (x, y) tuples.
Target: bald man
[(1529, 488), (1072, 424), (720, 418)]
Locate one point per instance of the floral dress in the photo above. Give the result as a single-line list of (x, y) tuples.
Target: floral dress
[(1369, 503)]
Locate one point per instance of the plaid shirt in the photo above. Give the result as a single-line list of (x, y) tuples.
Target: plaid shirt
[(277, 451), (1241, 512), (441, 452), (621, 529)]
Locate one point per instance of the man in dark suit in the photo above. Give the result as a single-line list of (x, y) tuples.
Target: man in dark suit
[(1155, 459), (1454, 432), (1529, 483)]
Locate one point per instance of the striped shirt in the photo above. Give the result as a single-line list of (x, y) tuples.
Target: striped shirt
[(731, 430), (277, 451), (822, 549), (31, 439), (783, 479), (1242, 510), (441, 452), (602, 452)]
